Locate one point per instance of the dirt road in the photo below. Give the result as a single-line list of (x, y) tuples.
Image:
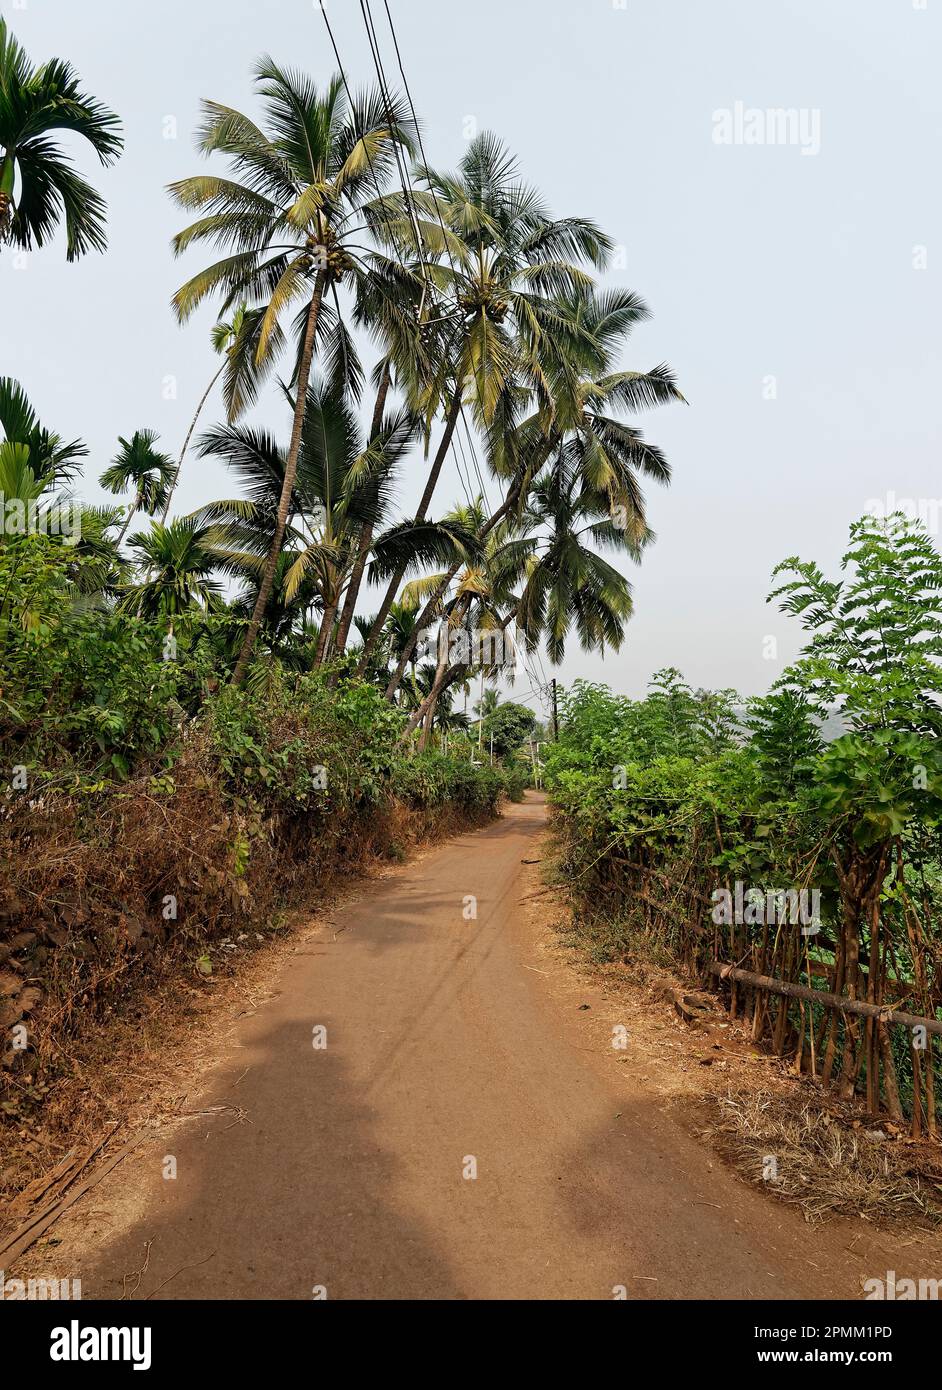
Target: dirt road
[(349, 1167)]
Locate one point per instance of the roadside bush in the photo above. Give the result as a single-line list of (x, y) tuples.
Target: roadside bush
[(735, 835), (149, 811)]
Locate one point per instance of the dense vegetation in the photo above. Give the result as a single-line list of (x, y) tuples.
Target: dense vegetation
[(202, 713), (199, 713), (690, 818), (482, 319)]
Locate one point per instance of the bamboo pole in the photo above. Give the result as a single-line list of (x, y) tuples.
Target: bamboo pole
[(839, 1002)]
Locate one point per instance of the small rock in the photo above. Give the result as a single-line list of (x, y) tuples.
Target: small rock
[(31, 996)]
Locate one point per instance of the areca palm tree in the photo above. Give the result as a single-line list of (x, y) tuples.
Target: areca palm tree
[(139, 465), (289, 220), (177, 564), (38, 185), (51, 458), (98, 570)]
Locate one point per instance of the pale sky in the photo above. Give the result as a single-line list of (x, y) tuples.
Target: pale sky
[(795, 295)]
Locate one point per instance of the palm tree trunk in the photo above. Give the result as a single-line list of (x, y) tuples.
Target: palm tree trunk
[(427, 729), (291, 470), (7, 174), (366, 533), (448, 678), (327, 622), (176, 475), (393, 589), (132, 512), (436, 597)]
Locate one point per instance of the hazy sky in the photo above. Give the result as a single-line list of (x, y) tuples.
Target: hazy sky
[(795, 294)]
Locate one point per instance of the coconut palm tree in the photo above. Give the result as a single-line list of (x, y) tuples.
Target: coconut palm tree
[(608, 453), (501, 323), (474, 619), (392, 304), (567, 581), (289, 220), (139, 465), (341, 483), (38, 185)]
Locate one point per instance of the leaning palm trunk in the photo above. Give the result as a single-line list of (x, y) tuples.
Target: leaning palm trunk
[(366, 531), (393, 589), (132, 512), (173, 482), (438, 594), (441, 672), (443, 679), (428, 727), (291, 469)]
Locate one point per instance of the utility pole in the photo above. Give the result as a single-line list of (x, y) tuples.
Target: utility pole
[(555, 714)]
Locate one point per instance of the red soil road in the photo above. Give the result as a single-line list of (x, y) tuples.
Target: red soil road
[(347, 1172)]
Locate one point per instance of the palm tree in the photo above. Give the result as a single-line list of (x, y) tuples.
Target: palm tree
[(51, 458), (608, 453), (98, 570), (341, 484), (177, 563), (288, 220), (35, 103), (551, 550), (392, 305), (482, 602), (567, 581), (502, 321), (138, 464), (487, 704)]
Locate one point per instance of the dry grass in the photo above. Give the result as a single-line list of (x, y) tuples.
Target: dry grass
[(825, 1161), (103, 984)]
